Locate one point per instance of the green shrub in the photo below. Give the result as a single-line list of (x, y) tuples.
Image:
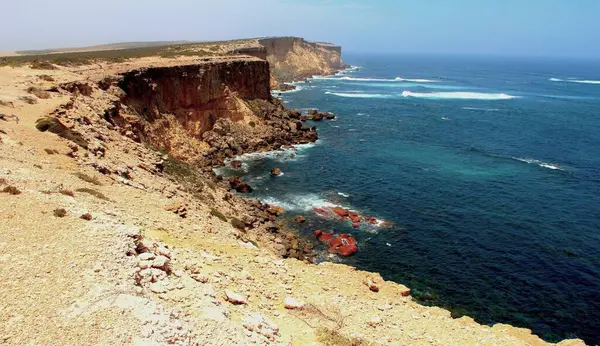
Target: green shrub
[(87, 178), (93, 192), (55, 126), (42, 65), (215, 212)]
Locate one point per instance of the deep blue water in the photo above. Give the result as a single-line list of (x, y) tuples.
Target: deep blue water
[(491, 175)]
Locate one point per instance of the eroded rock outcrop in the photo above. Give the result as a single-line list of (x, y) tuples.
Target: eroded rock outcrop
[(293, 58)]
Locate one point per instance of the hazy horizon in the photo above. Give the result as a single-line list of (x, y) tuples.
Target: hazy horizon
[(537, 28)]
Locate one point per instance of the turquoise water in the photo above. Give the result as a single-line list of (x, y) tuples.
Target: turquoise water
[(489, 169)]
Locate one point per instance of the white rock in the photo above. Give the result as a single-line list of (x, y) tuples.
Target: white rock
[(260, 324), (144, 264), (235, 298), (163, 251), (161, 262), (293, 303), (200, 278), (179, 273), (146, 256), (158, 287)]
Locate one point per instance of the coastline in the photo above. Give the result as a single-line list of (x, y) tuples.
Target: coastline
[(176, 260)]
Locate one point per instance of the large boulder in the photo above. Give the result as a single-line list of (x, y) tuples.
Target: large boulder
[(239, 185), (222, 126), (275, 171)]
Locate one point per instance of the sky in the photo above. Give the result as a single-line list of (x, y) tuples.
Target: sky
[(569, 28)]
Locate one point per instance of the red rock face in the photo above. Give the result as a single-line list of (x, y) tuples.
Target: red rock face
[(198, 95)]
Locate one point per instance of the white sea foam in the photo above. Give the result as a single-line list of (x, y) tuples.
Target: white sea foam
[(539, 163), (416, 80), (580, 81), (360, 95), (364, 79), (343, 194), (458, 95), (481, 109), (281, 155), (299, 202), (298, 88)]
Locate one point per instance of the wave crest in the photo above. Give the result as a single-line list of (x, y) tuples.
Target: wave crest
[(580, 81), (416, 80), (542, 164), (459, 95), (359, 95)]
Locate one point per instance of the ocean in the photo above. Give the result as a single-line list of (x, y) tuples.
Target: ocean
[(489, 169)]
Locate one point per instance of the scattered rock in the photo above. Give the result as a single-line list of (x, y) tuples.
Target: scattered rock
[(60, 212), (146, 256), (300, 219), (275, 171), (239, 185), (200, 278), (235, 298), (260, 324), (177, 208), (375, 321), (372, 285), (162, 263), (275, 210), (11, 190), (158, 287), (86, 216), (293, 303), (236, 164)]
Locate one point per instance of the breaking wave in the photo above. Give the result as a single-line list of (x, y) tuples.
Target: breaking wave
[(580, 81), (416, 80), (299, 202), (280, 155), (360, 95), (539, 163), (362, 79), (458, 95), (481, 109)]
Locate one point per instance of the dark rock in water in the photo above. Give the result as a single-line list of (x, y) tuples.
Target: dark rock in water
[(300, 219), (275, 171), (236, 164), (275, 210), (304, 118), (294, 114), (313, 112), (329, 115), (239, 185), (317, 117), (286, 87)]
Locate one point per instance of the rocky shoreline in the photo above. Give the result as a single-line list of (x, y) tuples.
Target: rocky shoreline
[(109, 194)]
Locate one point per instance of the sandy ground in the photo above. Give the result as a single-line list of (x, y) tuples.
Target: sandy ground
[(139, 274)]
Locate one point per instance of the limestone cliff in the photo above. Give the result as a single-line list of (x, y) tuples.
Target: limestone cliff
[(205, 111), (293, 58)]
